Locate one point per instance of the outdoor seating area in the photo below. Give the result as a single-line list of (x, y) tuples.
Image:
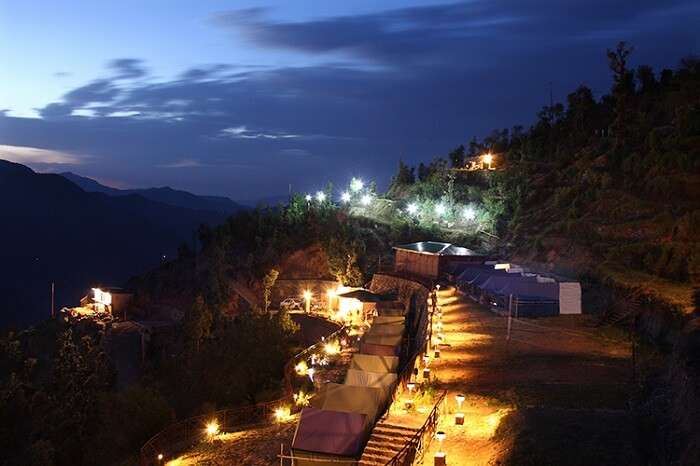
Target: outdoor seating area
[(508, 288), (353, 407)]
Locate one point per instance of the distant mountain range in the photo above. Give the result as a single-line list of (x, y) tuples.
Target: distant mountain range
[(75, 234), (165, 195)]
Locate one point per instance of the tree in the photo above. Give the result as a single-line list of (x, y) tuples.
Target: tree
[(423, 172), (456, 156), (405, 176), (197, 324), (617, 61), (268, 282)]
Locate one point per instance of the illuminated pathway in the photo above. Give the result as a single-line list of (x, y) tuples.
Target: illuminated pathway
[(544, 359)]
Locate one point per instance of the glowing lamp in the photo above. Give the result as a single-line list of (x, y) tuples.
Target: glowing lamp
[(212, 428), (160, 457), (460, 399), (426, 360), (469, 213), (440, 209), (410, 386), (488, 158), (440, 435), (356, 185), (320, 196), (412, 208), (345, 197), (301, 368), (440, 459), (308, 198), (459, 419), (331, 348), (283, 413), (366, 200), (437, 353), (311, 372)]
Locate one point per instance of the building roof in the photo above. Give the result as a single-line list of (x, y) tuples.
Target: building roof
[(436, 248)]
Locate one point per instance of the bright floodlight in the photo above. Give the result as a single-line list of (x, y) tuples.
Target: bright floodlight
[(412, 208), (440, 209), (488, 158), (356, 184), (366, 200), (345, 197), (308, 198), (320, 196), (469, 213)]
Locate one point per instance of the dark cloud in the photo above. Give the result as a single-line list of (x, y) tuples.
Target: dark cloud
[(418, 81), (127, 68)]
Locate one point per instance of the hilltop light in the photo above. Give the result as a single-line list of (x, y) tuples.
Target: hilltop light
[(469, 213), (440, 209), (320, 196), (308, 198), (366, 200), (283, 413), (412, 208), (356, 185), (345, 197), (487, 159)]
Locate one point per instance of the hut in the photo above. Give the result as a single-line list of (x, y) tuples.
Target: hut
[(328, 438), (430, 259)]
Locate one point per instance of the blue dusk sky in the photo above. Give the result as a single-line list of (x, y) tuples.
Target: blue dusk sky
[(243, 98)]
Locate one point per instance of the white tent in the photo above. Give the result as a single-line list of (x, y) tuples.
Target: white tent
[(371, 363)]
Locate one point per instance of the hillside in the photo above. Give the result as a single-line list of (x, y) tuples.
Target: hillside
[(55, 231), (164, 195), (603, 188)]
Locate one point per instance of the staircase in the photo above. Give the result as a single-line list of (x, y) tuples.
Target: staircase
[(386, 440)]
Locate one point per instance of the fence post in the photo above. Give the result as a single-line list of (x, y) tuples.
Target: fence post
[(510, 315)]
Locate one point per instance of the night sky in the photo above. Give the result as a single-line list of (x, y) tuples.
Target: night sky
[(243, 98)]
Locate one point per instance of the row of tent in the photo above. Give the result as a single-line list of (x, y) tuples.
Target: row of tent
[(506, 285), (334, 429)]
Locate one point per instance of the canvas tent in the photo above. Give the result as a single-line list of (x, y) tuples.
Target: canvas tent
[(383, 320), (352, 399), (430, 258), (382, 380), (328, 435), (390, 308), (371, 363)]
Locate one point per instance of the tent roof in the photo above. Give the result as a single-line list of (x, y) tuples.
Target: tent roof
[(495, 282), (369, 379), (364, 296), (383, 320), (351, 398), (396, 328), (331, 432), (371, 363), (531, 290), (379, 339), (471, 272), (436, 248), (390, 305)]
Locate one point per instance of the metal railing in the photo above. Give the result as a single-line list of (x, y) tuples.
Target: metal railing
[(416, 447)]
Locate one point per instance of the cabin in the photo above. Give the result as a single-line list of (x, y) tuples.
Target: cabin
[(432, 259)]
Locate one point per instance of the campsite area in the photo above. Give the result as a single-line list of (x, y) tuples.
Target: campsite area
[(551, 392)]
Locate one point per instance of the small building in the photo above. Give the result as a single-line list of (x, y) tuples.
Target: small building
[(112, 301), (431, 258)]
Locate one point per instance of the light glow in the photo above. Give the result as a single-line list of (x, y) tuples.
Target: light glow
[(356, 185), (308, 198), (412, 208), (283, 413), (345, 197), (212, 428), (301, 368), (366, 200), (440, 209), (320, 196), (469, 213), (332, 348)]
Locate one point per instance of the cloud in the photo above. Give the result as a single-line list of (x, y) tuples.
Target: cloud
[(242, 132), (296, 152), (183, 163), (127, 68), (406, 83), (34, 155)]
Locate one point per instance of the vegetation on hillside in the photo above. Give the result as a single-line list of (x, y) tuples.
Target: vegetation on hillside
[(596, 185)]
